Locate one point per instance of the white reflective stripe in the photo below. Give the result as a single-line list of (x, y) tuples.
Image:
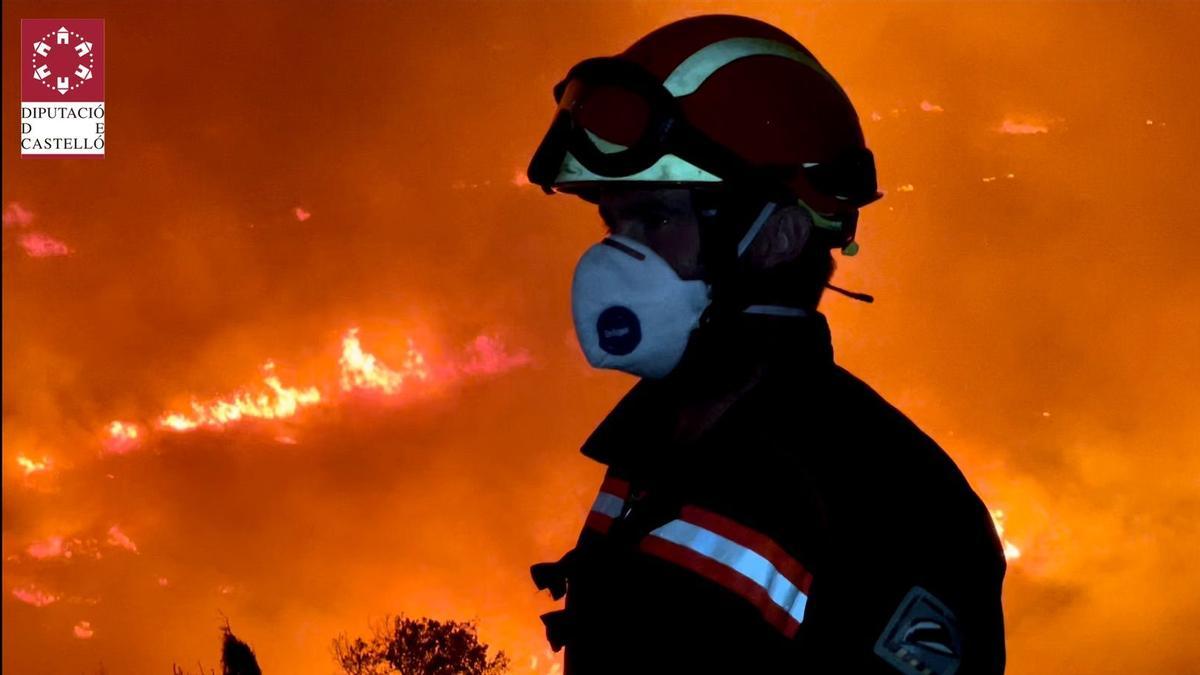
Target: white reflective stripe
[(740, 559), (776, 310), (755, 227), (668, 168), (608, 504), (695, 69)]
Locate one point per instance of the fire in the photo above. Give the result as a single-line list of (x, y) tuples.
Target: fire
[(122, 437), (1011, 126), (41, 245), (119, 539), (83, 630), (276, 402), (30, 466), (31, 595), (1011, 552), (54, 547), (361, 370), (489, 356)]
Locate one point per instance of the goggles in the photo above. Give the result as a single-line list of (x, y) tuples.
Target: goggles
[(616, 121)]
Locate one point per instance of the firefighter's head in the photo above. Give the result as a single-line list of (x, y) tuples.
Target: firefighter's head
[(727, 163)]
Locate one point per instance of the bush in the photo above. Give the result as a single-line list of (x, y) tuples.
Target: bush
[(418, 647)]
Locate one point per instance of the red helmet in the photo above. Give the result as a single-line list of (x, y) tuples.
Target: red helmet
[(713, 100)]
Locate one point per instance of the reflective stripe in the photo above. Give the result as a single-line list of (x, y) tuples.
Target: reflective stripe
[(695, 69), (608, 504), (667, 169), (742, 560)]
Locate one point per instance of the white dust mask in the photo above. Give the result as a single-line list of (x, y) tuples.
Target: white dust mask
[(632, 311)]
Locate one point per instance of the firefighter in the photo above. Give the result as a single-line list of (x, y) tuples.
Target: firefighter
[(762, 509)]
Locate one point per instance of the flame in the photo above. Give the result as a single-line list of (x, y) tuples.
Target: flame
[(32, 466), (54, 547), (119, 539), (362, 371), (487, 355), (83, 630), (276, 402), (31, 595), (122, 437), (40, 245), (17, 215), (359, 370), (1011, 126), (1011, 552)]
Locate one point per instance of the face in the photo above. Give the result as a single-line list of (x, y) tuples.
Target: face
[(660, 218)]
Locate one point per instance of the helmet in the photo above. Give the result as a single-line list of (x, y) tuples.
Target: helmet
[(713, 101)]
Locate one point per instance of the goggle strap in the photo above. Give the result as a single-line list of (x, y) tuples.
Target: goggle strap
[(755, 228)]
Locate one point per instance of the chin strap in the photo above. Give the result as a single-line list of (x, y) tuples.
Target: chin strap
[(775, 310)]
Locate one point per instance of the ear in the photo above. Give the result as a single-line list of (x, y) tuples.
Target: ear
[(782, 238)]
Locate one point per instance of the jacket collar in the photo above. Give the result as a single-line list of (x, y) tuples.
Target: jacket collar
[(722, 363)]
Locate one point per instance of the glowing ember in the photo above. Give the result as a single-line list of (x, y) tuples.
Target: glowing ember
[(1011, 126), (31, 595), (122, 437), (164, 582), (30, 466), (83, 630), (930, 107), (301, 214), (488, 355), (276, 402), (361, 370), (1011, 552), (119, 539), (39, 245), (53, 547), (17, 215)]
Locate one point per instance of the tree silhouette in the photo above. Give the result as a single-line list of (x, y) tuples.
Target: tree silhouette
[(418, 647), (237, 658)]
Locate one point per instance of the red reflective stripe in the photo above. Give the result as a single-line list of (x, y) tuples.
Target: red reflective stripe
[(725, 576), (756, 541), (615, 486), (598, 521)]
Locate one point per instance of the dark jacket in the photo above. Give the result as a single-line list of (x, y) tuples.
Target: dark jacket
[(766, 511)]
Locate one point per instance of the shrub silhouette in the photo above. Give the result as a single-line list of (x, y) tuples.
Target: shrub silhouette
[(237, 658), (418, 647)]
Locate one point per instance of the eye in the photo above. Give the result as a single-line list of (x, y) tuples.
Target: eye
[(655, 219)]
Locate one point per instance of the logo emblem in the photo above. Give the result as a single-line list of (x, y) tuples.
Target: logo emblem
[(62, 87), (63, 60), (923, 636)]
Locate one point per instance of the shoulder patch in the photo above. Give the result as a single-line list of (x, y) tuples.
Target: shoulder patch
[(922, 637)]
